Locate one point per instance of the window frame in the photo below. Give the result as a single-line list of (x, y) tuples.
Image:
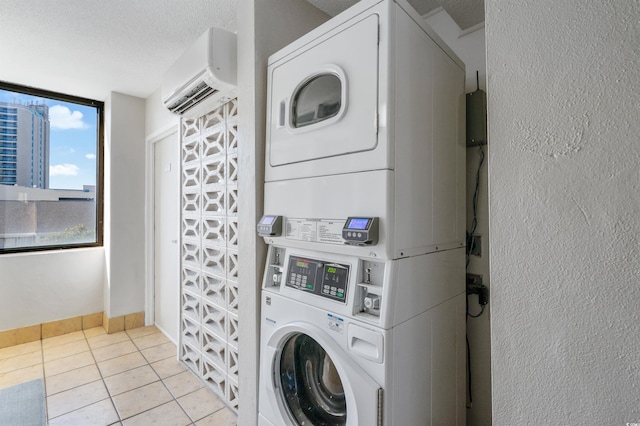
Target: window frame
[(27, 90)]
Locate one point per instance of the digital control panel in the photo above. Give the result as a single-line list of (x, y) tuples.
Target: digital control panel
[(324, 279), (270, 226), (360, 231)]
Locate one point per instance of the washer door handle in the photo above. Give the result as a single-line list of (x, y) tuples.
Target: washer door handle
[(366, 343)]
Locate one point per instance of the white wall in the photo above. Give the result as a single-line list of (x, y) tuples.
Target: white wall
[(565, 207), (49, 286), (124, 204), (470, 47), (263, 28), (157, 117), (159, 123)]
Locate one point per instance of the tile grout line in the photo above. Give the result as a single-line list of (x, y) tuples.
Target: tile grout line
[(205, 386), (165, 385), (44, 375), (22, 367), (113, 404), (86, 340), (44, 384), (152, 369), (102, 378), (173, 398)]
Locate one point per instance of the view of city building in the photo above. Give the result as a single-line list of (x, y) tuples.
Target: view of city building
[(34, 210), (24, 144), (38, 217)]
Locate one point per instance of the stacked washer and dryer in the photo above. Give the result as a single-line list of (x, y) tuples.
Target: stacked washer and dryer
[(363, 297)]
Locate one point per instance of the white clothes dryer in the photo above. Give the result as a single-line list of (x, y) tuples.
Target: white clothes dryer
[(345, 97), (365, 117)]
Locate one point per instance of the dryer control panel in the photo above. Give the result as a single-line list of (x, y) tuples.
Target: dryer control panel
[(360, 231), (324, 279)]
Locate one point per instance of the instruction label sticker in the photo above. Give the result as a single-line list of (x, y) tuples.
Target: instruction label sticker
[(335, 323), (330, 231), (327, 231), (301, 230)]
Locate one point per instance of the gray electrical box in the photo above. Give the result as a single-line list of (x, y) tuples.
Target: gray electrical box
[(476, 118)]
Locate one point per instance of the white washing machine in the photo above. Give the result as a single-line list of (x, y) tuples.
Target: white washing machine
[(350, 341)]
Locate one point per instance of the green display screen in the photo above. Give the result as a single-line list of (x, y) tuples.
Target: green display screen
[(331, 269)]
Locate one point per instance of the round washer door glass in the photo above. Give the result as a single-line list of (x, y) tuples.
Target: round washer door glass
[(311, 387)]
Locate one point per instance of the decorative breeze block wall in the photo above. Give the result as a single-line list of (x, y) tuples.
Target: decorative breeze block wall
[(209, 231)]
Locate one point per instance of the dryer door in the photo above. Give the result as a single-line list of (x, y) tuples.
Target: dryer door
[(323, 99), (316, 383)]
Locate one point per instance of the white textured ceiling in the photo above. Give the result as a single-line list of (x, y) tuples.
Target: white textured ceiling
[(89, 48)]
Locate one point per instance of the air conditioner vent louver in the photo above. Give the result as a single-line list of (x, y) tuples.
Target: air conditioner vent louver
[(191, 99), (204, 77)]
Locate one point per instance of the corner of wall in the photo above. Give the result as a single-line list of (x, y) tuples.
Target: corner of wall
[(157, 117), (124, 204), (263, 28)]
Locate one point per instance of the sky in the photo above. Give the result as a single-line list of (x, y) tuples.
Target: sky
[(72, 161)]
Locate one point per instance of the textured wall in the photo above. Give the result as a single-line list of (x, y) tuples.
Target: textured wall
[(565, 210)]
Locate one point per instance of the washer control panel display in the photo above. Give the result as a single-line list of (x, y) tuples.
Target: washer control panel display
[(324, 279)]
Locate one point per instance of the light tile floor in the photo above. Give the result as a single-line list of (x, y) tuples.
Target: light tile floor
[(128, 378)]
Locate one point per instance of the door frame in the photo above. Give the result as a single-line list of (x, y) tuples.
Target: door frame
[(149, 212)]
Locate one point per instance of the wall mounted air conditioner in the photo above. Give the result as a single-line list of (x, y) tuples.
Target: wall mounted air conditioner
[(204, 77)]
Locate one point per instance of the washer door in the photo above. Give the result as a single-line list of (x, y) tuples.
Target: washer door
[(312, 381), (311, 387)]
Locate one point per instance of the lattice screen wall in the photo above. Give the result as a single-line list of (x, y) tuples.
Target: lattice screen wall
[(209, 308)]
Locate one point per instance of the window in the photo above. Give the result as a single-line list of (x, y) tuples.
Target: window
[(51, 170)]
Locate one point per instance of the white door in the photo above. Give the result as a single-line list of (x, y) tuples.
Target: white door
[(166, 234)]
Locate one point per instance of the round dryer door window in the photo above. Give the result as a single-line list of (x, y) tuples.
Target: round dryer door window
[(311, 387), (319, 99)]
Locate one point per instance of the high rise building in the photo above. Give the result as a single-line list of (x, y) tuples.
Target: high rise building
[(24, 144)]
